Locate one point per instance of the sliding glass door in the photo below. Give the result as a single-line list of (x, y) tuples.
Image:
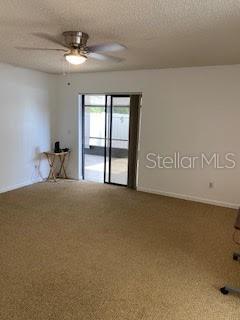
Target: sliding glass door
[(106, 122), (117, 139)]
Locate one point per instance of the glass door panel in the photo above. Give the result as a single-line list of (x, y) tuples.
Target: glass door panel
[(119, 135), (107, 139), (94, 137)]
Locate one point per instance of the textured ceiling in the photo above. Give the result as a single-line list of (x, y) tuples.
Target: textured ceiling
[(157, 33)]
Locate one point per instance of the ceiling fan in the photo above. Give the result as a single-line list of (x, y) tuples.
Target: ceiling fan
[(76, 50)]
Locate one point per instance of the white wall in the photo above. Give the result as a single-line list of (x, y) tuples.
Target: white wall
[(189, 110), (26, 109)]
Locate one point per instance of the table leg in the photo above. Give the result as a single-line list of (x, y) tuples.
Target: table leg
[(62, 167), (51, 161)]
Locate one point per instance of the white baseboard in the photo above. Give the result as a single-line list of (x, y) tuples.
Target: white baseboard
[(19, 185), (190, 198), (142, 189)]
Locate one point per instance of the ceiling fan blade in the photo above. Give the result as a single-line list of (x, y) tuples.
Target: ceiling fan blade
[(107, 47), (102, 57), (48, 37), (41, 49)]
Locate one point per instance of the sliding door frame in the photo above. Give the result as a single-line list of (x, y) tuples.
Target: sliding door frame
[(112, 96), (83, 136), (108, 135), (105, 141)]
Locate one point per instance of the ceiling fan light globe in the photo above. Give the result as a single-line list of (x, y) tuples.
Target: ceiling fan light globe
[(75, 59)]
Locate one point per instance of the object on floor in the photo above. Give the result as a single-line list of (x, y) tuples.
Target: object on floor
[(236, 256), (237, 223), (51, 157)]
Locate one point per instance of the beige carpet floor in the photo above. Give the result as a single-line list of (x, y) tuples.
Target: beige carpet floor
[(88, 251)]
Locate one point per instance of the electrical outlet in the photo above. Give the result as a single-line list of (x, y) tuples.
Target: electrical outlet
[(211, 185)]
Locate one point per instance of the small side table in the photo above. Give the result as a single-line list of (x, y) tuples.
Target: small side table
[(51, 157)]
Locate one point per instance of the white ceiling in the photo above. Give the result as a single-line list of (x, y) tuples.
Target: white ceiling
[(157, 33)]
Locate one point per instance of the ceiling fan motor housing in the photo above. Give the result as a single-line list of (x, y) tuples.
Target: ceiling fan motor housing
[(76, 39)]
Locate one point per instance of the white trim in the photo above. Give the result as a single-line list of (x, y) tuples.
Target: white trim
[(148, 190), (19, 185), (79, 136), (190, 198)]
